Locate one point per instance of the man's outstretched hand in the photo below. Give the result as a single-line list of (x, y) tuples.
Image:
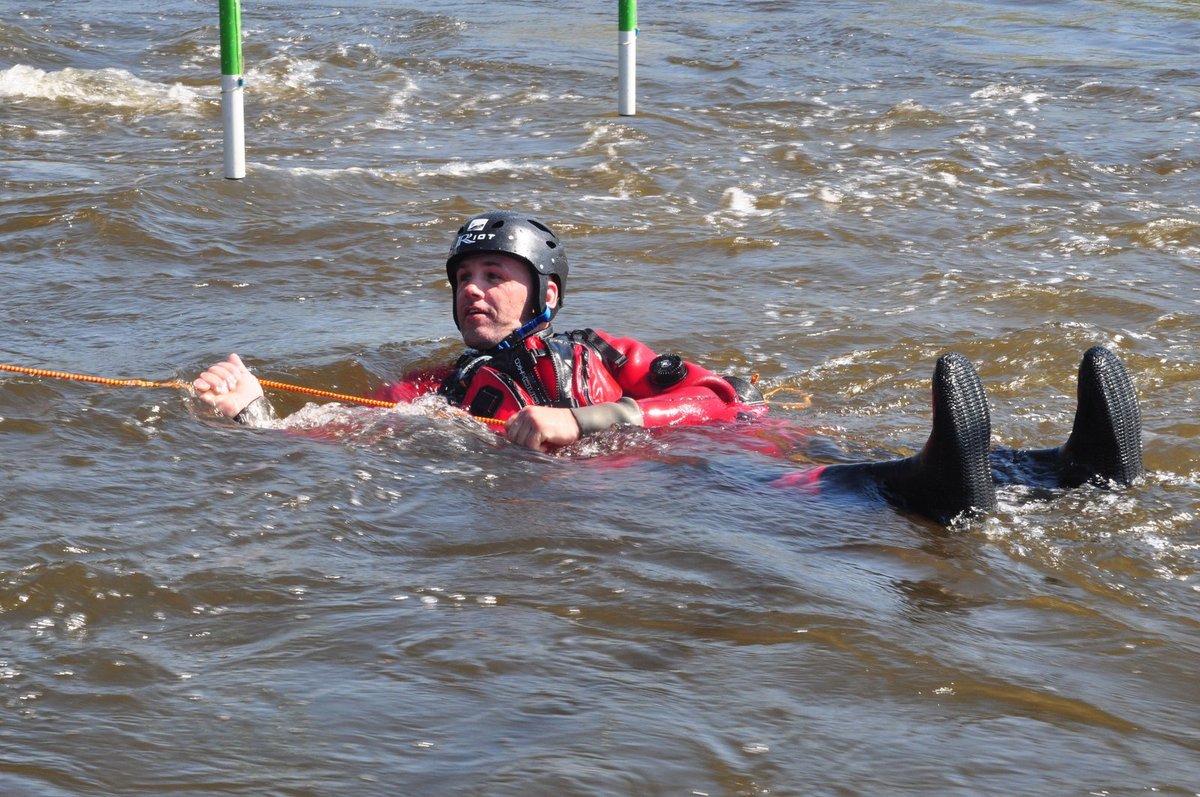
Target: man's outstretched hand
[(228, 386)]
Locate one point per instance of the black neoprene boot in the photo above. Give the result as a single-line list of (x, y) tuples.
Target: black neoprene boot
[(951, 475), (1105, 446)]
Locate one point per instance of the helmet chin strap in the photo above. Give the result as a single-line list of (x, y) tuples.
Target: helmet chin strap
[(524, 330)]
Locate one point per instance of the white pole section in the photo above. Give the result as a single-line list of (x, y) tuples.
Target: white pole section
[(232, 84), (627, 57)]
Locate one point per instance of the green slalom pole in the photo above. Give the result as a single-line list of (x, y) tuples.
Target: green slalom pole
[(232, 84), (627, 57)]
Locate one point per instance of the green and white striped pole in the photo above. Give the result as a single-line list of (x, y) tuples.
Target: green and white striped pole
[(231, 89), (627, 57)]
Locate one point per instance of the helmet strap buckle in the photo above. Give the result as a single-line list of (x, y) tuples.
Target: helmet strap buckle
[(524, 330)]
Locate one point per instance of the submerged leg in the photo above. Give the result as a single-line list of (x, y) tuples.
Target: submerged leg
[(951, 475), (1105, 446)]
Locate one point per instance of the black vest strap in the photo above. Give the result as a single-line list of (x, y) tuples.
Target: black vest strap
[(561, 351), (612, 357), (522, 363), (454, 386)]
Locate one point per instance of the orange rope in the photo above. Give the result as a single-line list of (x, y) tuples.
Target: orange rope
[(369, 402), (806, 398), (100, 380), (326, 394), (804, 402), (179, 384)]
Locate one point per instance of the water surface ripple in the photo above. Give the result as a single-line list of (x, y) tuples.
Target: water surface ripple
[(372, 603)]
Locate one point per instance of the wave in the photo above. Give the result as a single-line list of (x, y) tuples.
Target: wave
[(101, 88)]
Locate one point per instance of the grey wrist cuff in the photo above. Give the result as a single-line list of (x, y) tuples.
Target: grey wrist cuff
[(599, 417), (257, 413)]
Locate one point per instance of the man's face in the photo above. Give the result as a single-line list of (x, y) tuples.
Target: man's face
[(492, 297)]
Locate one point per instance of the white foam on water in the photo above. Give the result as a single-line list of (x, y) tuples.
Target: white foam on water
[(284, 76), (397, 115), (740, 201), (472, 168), (829, 195), (323, 173), (999, 91), (408, 173), (104, 88)]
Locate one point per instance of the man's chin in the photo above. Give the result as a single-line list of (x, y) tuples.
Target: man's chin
[(479, 340)]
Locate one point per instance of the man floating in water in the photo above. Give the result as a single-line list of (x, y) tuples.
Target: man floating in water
[(508, 273)]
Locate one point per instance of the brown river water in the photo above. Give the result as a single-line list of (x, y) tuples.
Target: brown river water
[(396, 602)]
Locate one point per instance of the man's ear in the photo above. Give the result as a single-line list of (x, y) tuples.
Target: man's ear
[(552, 294)]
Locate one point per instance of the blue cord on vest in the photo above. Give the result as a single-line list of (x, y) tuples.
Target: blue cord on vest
[(522, 333)]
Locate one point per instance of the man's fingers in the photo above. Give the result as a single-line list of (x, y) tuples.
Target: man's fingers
[(520, 431), (221, 377)]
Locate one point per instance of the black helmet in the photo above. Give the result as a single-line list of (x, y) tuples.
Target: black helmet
[(518, 235)]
